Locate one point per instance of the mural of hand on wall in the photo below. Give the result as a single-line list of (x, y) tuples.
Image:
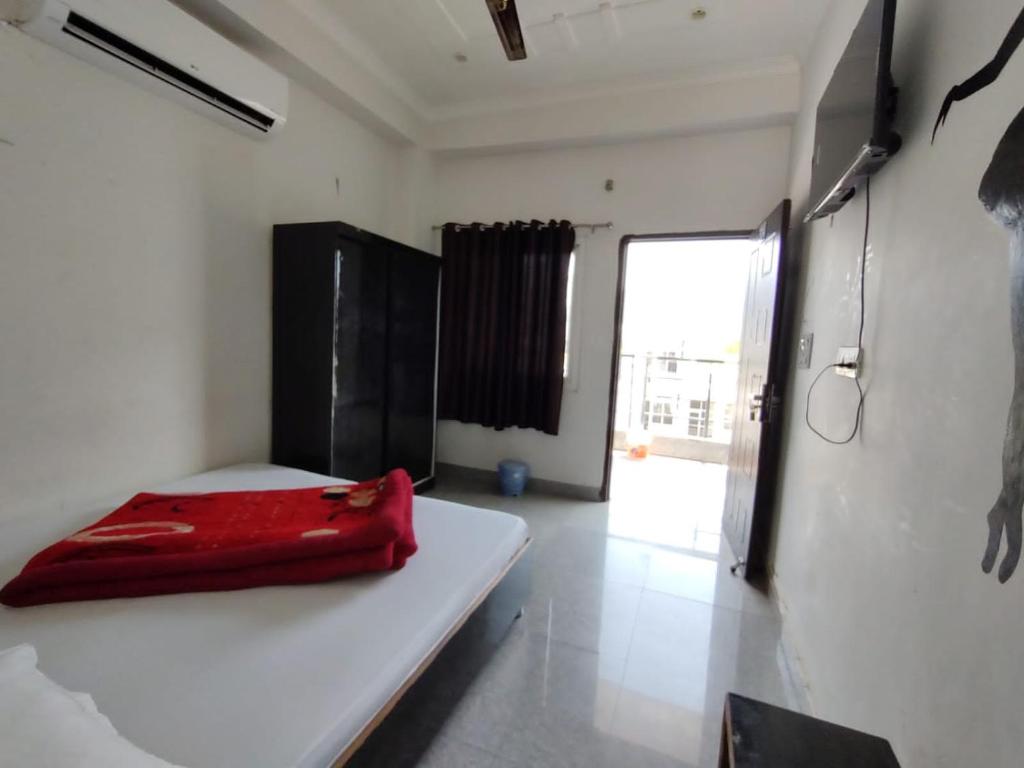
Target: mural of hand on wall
[(1002, 194)]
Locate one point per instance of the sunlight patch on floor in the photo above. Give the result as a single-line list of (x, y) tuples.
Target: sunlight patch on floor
[(668, 502)]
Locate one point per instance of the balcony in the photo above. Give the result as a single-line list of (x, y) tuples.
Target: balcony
[(681, 407)]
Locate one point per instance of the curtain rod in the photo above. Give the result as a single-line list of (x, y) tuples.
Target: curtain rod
[(591, 227)]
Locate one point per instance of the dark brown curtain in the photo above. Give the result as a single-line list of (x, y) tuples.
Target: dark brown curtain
[(503, 305)]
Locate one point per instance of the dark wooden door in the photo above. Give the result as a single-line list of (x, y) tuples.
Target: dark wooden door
[(756, 437), (412, 362)]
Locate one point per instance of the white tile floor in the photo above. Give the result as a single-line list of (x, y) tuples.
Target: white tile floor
[(634, 632), (669, 502)]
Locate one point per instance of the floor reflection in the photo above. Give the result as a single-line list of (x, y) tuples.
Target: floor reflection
[(669, 502), (633, 634)]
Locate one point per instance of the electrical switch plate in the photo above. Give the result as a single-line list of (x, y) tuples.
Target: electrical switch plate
[(853, 356), (803, 352)]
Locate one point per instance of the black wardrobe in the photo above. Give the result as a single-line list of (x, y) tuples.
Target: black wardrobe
[(355, 353)]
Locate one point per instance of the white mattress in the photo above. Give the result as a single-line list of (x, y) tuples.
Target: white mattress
[(276, 676)]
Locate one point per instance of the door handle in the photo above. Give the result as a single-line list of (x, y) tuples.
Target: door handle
[(757, 403)]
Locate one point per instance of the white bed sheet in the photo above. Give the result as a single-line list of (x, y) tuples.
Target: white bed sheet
[(276, 676)]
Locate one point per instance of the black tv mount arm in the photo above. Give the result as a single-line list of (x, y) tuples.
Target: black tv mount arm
[(892, 100)]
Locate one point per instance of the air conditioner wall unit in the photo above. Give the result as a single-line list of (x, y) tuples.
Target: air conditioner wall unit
[(162, 48)]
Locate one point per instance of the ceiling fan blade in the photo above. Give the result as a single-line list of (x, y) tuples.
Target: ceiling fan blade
[(506, 20)]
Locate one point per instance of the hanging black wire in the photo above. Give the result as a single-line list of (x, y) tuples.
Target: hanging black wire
[(860, 339)]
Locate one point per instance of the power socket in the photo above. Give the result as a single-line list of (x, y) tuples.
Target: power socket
[(851, 359), (804, 349)]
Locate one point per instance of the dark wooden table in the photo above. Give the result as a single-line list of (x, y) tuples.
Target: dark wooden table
[(758, 735)]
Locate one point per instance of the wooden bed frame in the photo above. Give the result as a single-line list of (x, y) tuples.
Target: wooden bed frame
[(439, 646)]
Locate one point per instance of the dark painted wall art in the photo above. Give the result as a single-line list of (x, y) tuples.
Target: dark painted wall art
[(1002, 194)]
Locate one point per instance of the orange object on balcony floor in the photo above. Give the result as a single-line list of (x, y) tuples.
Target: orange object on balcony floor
[(637, 452), (638, 445)]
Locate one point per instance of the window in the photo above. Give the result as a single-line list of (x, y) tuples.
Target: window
[(697, 425), (570, 285), (727, 417), (660, 413)]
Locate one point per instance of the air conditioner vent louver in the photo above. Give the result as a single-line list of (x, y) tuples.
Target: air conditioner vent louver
[(98, 37), (163, 49)]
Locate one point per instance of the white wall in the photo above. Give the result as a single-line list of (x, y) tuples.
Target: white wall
[(723, 181), (135, 272), (880, 542)]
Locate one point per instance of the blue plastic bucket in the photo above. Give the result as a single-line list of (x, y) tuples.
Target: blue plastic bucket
[(512, 475)]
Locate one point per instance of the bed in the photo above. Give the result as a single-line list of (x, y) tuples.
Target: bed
[(276, 676)]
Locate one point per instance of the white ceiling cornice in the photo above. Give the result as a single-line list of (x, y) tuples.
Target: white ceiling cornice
[(688, 107), (543, 98), (302, 49), (308, 42)]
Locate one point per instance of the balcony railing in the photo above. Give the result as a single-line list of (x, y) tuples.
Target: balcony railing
[(676, 397)]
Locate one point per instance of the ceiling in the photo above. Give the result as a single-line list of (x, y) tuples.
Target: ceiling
[(412, 44)]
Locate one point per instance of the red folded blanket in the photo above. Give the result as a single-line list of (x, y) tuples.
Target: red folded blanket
[(158, 544)]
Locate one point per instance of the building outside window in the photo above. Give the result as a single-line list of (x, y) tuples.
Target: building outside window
[(699, 423), (727, 417), (669, 363), (696, 401)]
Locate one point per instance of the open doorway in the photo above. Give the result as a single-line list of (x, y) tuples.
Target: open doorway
[(677, 362)]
